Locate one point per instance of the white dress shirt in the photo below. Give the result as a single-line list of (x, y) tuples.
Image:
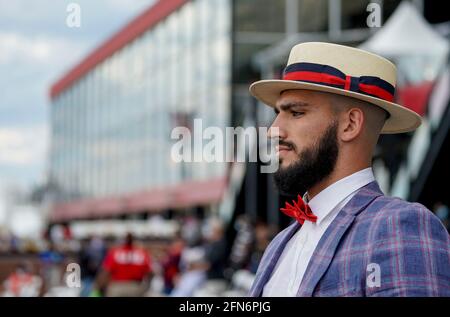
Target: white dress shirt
[(292, 264)]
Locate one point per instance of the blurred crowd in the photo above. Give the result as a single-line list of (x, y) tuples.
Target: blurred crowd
[(204, 258)]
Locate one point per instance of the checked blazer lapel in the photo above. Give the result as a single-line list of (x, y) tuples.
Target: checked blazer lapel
[(271, 258), (327, 245)]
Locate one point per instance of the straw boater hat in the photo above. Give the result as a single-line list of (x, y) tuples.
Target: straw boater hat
[(345, 71)]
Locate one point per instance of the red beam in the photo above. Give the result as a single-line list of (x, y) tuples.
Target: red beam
[(193, 193)]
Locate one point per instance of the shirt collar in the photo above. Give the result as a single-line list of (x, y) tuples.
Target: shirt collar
[(325, 201)]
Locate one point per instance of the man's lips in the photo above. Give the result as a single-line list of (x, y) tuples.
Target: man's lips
[(282, 148)]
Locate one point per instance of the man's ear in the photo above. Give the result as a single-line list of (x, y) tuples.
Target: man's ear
[(351, 125)]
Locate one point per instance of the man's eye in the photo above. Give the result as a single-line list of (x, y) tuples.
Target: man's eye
[(296, 113)]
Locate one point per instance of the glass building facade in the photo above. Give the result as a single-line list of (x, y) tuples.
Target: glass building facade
[(111, 127)]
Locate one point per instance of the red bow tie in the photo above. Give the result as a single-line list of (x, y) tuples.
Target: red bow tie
[(299, 211)]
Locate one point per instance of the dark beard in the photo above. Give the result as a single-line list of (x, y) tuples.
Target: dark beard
[(313, 165)]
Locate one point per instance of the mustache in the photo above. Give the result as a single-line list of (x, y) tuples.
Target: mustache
[(290, 145)]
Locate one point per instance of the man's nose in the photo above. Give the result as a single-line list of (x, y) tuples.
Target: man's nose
[(276, 130)]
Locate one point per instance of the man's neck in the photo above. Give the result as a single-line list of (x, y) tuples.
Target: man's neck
[(336, 175)]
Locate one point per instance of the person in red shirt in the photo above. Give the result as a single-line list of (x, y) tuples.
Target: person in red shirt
[(126, 270)]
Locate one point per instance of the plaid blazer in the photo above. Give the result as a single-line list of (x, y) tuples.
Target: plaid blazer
[(404, 243)]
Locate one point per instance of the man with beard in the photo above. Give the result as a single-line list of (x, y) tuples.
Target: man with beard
[(348, 238)]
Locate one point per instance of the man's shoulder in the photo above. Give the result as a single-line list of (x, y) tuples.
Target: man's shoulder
[(408, 242), (388, 206), (389, 216)]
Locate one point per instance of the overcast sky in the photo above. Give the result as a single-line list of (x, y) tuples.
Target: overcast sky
[(36, 48)]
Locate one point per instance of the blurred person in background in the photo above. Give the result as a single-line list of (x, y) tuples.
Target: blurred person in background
[(171, 264), (191, 230), (193, 272), (51, 261), (215, 248), (23, 282), (442, 212), (242, 245), (91, 256), (263, 235), (14, 243), (126, 271)]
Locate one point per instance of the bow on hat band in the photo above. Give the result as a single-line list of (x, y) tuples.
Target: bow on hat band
[(333, 77)]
